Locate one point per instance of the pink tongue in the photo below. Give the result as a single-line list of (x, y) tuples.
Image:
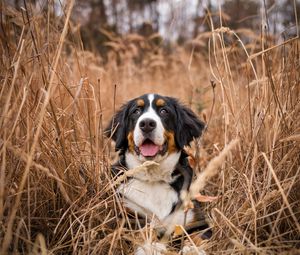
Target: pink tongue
[(149, 149)]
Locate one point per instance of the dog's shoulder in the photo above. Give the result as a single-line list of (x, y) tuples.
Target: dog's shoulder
[(119, 166), (183, 174)]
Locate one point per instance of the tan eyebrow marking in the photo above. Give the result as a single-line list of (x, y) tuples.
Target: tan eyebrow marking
[(140, 102), (160, 102)]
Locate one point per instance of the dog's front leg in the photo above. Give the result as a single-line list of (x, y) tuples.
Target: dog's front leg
[(151, 248)]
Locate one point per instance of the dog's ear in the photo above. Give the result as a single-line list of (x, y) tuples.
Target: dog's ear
[(117, 128), (188, 125)]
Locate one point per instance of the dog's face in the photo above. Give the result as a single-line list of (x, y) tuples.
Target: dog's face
[(152, 126)]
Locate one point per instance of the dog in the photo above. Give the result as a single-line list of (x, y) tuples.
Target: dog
[(156, 128)]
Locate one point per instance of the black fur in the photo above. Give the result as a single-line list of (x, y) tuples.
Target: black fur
[(188, 125), (118, 127), (119, 167), (184, 173)]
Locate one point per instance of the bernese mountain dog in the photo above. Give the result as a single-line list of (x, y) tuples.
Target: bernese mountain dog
[(156, 128)]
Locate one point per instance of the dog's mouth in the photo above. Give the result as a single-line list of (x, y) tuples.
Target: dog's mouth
[(149, 149)]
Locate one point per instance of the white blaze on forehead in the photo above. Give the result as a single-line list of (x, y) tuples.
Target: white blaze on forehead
[(158, 132), (150, 98)]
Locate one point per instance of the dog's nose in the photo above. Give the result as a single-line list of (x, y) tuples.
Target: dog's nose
[(147, 125)]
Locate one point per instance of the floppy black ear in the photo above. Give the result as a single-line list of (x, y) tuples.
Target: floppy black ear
[(117, 128), (188, 125)]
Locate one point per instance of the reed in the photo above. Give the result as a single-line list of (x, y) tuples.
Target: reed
[(56, 191)]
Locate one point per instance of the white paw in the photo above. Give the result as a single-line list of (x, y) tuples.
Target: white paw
[(151, 249), (192, 250)]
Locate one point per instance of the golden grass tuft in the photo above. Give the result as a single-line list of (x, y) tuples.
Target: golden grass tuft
[(56, 190)]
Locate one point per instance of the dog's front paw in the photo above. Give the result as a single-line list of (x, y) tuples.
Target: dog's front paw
[(151, 249), (192, 250)]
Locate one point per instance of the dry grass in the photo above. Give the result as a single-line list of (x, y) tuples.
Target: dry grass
[(56, 192)]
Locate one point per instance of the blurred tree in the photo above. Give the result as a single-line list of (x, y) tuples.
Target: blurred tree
[(242, 14), (288, 12), (142, 9), (178, 20), (98, 14), (92, 16), (203, 15), (199, 19)]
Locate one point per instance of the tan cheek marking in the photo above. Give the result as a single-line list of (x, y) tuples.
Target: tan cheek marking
[(169, 135), (140, 102), (130, 142), (160, 102)]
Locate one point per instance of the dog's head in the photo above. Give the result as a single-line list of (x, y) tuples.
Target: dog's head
[(152, 126)]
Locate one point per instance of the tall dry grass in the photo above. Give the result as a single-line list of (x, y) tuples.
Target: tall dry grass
[(56, 193)]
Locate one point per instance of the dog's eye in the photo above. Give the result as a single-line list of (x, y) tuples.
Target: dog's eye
[(137, 111), (163, 112)]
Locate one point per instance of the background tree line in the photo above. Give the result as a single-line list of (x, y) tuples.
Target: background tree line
[(175, 21)]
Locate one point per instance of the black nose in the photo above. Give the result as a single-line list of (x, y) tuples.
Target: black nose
[(147, 125)]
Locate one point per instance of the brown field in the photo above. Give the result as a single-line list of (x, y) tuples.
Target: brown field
[(56, 193)]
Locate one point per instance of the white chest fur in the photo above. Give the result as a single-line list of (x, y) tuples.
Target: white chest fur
[(149, 192), (145, 197)]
